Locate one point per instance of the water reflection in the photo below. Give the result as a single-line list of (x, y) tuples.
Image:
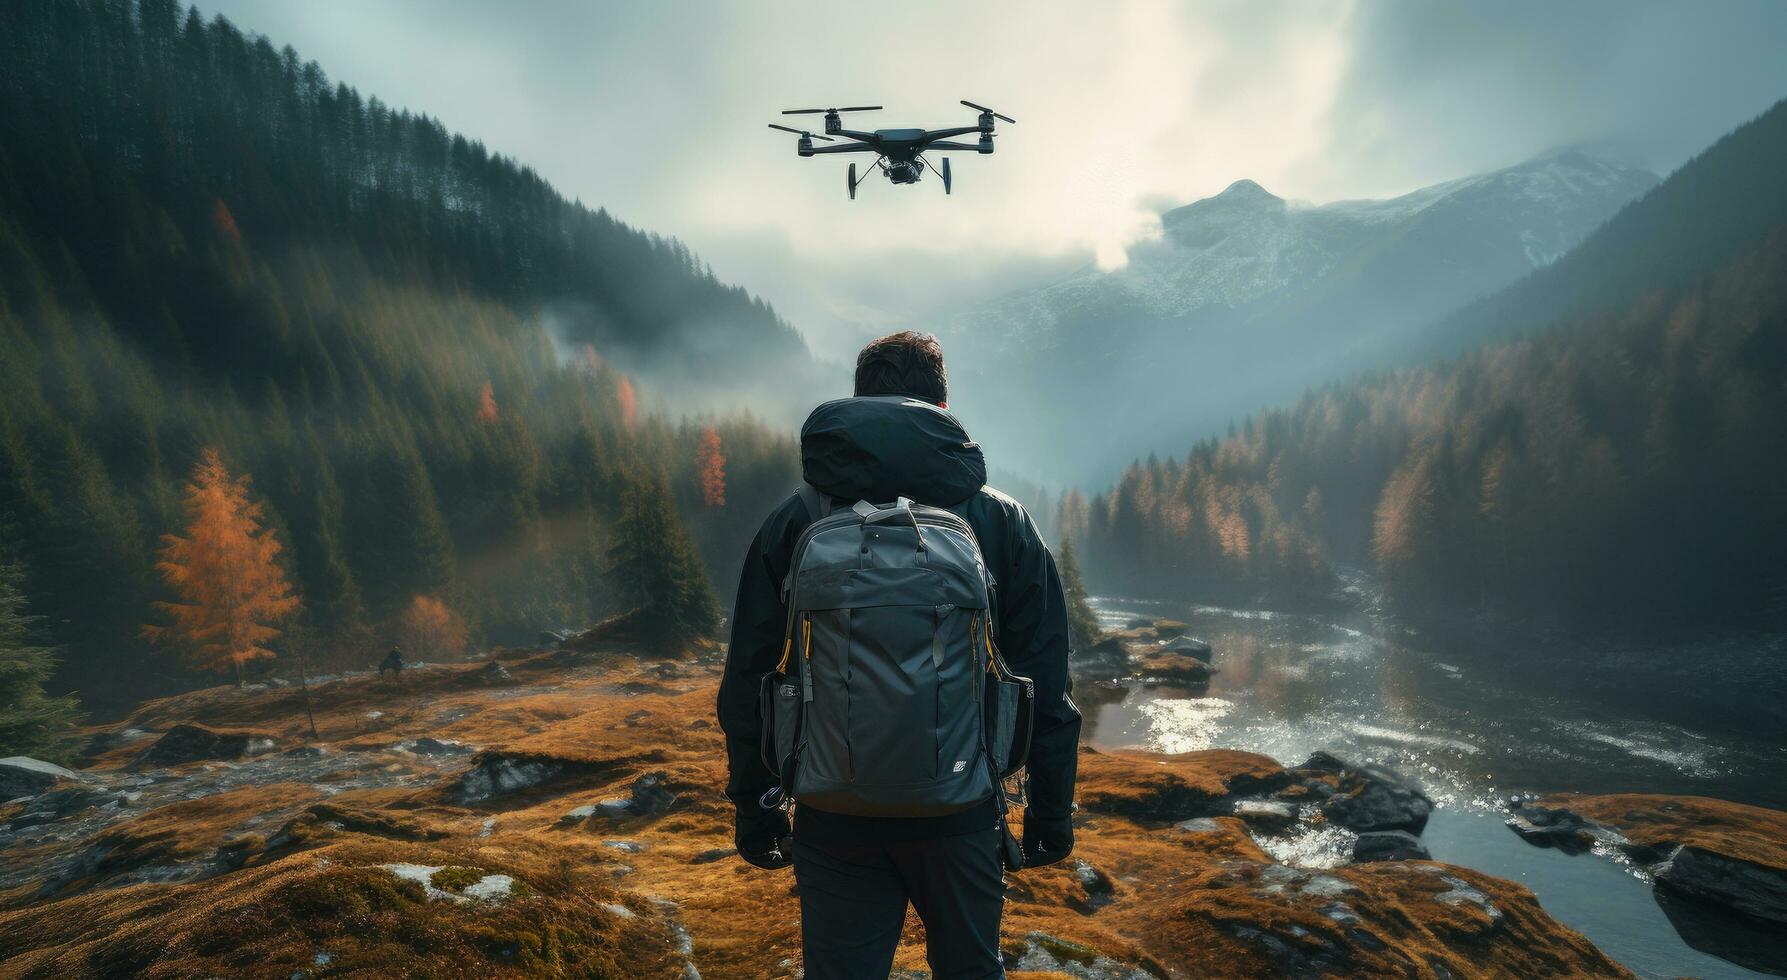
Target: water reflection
[(1473, 726)]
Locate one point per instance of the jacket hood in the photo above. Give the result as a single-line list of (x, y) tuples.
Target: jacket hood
[(880, 447)]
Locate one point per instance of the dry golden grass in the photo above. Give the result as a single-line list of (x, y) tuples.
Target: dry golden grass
[(306, 878), (1735, 830)]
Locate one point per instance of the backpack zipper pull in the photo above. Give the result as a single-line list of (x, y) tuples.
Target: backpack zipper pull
[(942, 612)]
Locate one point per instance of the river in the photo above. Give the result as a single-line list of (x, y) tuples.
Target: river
[(1476, 724)]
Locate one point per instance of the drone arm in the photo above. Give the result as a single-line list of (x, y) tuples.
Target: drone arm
[(856, 135), (844, 148), (945, 145), (939, 134)]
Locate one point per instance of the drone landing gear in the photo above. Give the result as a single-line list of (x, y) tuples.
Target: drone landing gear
[(852, 176), (946, 175)]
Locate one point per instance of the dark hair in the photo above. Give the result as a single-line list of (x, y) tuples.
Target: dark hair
[(904, 363)]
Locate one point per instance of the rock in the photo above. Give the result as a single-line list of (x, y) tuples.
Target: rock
[(495, 674), (579, 815), (1138, 622), (68, 799), (1377, 798), (1728, 882), (713, 854), (1552, 827), (1106, 658), (1164, 628), (497, 774), (1098, 891), (195, 743), (1722, 855), (1173, 668), (625, 846), (1268, 816), (633, 720), (24, 776), (1189, 646), (652, 795), (1323, 762), (1389, 845), (1200, 825), (434, 746), (103, 742), (614, 808), (1043, 953)]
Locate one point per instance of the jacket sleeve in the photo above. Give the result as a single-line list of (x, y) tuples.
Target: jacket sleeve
[(1033, 636), (757, 622)]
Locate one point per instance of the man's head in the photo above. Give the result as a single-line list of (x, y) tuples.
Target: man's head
[(904, 363)]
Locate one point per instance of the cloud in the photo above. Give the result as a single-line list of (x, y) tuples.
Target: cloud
[(658, 111)]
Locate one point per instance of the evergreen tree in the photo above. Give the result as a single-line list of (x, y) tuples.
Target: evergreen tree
[(31, 723), (1081, 620), (654, 567)]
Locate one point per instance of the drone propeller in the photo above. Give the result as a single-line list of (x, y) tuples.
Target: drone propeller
[(832, 112), (801, 132), (984, 109)]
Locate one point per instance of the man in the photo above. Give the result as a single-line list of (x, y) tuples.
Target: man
[(856, 874)]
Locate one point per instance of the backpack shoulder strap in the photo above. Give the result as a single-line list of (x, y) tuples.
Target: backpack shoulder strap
[(818, 504)]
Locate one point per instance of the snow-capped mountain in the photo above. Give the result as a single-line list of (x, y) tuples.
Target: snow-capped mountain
[(1247, 298)]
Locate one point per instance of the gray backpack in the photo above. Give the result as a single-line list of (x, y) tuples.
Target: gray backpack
[(891, 699)]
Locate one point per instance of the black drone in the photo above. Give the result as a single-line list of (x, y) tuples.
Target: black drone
[(900, 153)]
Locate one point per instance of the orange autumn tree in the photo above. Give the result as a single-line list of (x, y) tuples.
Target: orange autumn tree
[(628, 400), (710, 468), (487, 412), (225, 570), (432, 628)]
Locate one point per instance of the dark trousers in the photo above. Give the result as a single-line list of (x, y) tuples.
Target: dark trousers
[(853, 903)]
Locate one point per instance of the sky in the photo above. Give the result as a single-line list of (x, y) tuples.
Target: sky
[(657, 111)]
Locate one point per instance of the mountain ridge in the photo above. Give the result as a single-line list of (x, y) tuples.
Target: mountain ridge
[(1263, 297)]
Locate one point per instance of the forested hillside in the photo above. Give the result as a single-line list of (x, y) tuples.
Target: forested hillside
[(1622, 467), (203, 243)]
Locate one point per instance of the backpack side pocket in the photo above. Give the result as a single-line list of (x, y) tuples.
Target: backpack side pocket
[(779, 706)]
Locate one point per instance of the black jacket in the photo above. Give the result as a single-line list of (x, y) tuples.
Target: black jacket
[(878, 449)]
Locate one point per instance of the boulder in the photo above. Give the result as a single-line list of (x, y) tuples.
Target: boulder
[(1323, 762), (1189, 646), (649, 796), (1106, 658), (1377, 798), (1173, 668), (195, 743), (24, 776), (1389, 845), (501, 773), (1267, 816), (1164, 628), (1544, 826), (1728, 882), (1096, 887), (495, 674)]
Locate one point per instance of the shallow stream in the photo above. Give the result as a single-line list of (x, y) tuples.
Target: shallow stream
[(1475, 727)]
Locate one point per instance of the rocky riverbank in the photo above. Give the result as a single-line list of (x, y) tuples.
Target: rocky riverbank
[(563, 816), (1719, 868)]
